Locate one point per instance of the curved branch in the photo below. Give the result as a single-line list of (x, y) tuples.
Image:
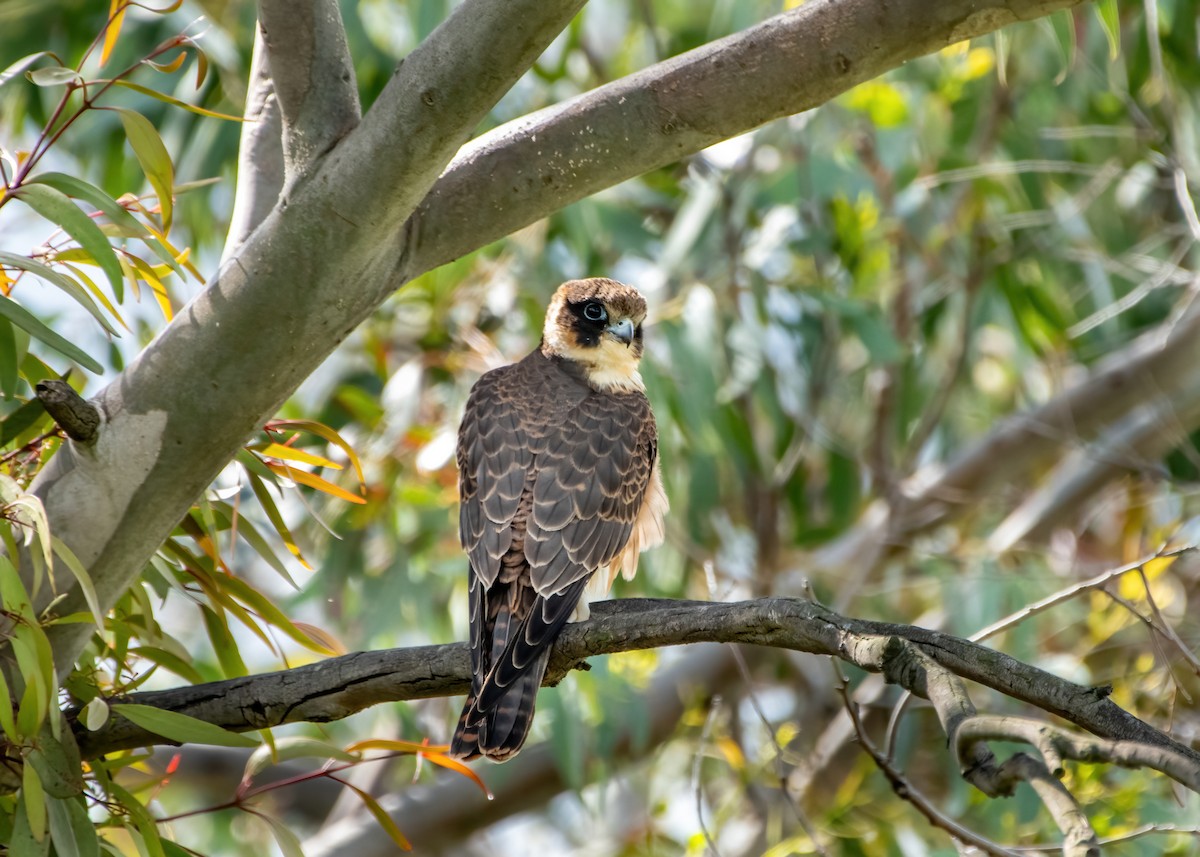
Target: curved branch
[(1055, 744), (338, 687), (260, 153), (792, 62), (312, 76)]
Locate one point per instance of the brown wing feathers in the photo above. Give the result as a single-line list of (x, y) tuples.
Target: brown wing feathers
[(552, 475)]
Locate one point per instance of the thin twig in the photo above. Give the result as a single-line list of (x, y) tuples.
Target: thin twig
[(801, 818), (904, 789), (713, 708), (1013, 619)]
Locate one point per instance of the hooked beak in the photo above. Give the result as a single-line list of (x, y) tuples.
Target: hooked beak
[(622, 330)]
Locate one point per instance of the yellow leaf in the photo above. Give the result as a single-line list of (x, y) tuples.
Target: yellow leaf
[(96, 292), (323, 431), (278, 450), (732, 753), (882, 102), (161, 295), (980, 61), (314, 481), (1155, 567), (116, 16), (322, 638)]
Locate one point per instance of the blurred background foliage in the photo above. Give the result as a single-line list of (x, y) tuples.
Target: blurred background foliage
[(842, 302)]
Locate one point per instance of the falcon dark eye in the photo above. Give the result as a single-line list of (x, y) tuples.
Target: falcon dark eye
[(594, 311)]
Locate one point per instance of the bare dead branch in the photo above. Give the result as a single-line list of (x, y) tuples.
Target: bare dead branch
[(1079, 840), (904, 655), (1056, 744), (1098, 582), (1158, 364), (1133, 444), (80, 419)]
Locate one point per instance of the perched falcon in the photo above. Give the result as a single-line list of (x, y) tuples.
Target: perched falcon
[(560, 490)]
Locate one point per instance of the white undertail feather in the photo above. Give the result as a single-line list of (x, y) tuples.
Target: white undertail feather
[(649, 530)]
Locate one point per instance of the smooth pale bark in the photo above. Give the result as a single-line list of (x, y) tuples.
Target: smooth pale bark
[(260, 154)]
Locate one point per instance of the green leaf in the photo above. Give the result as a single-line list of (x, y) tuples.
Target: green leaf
[(24, 843), (10, 361), (34, 798), (81, 574), (27, 511), (382, 818), (20, 65), (57, 762), (268, 504), (55, 75), (170, 661), (1110, 20), (154, 93), (13, 594), (150, 152), (128, 224), (21, 420), (180, 727), (265, 608), (23, 319), (293, 747), (57, 207), (1062, 23), (288, 843), (63, 282), (8, 721), (71, 831), (94, 714), (224, 645), (255, 539), (141, 818)]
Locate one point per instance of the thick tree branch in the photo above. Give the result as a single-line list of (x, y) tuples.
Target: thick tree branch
[(338, 687), (260, 153), (792, 62), (433, 104), (1135, 443), (312, 74), (1155, 367)]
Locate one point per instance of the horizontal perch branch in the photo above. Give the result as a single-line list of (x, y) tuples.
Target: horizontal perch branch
[(339, 687)]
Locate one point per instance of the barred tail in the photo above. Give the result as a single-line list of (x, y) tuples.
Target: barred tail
[(499, 732)]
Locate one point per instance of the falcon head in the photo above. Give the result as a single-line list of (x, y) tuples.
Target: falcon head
[(597, 323)]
